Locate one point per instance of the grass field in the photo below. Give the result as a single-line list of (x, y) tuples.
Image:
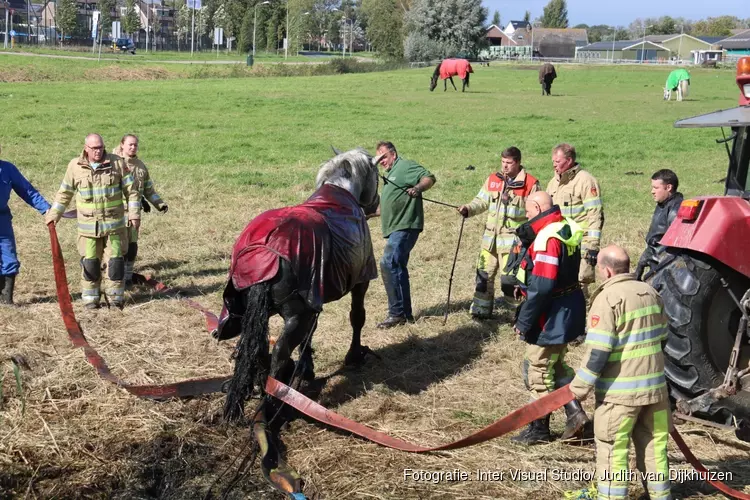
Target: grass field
[(223, 150)]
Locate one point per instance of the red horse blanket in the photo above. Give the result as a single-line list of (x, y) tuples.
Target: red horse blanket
[(326, 240), (453, 67)]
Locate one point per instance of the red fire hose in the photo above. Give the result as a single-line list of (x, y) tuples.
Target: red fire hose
[(515, 420)]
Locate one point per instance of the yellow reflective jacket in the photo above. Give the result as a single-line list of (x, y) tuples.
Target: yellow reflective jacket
[(141, 178), (506, 207), (578, 195), (624, 362), (100, 196)]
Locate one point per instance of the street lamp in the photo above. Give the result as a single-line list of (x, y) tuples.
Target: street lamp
[(679, 51), (643, 44), (343, 35), (533, 25), (614, 37), (255, 22), (298, 29)]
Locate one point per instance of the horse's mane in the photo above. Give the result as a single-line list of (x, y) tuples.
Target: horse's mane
[(348, 170), (437, 69)]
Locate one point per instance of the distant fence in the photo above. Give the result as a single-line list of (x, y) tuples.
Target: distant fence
[(728, 63)]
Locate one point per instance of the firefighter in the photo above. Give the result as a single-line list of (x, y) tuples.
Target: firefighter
[(101, 186), (554, 312), (664, 190), (624, 367), (504, 195), (12, 179), (577, 194), (128, 151)]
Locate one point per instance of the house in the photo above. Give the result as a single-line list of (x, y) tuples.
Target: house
[(562, 43), (515, 25), (737, 45), (683, 45), (503, 46), (634, 50)]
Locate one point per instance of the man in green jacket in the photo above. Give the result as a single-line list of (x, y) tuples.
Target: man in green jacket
[(402, 218)]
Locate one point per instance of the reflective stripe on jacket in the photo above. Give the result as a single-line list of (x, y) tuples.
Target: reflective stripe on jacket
[(578, 195), (506, 207), (99, 193), (624, 362)]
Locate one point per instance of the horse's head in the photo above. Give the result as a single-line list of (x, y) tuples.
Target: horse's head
[(357, 172), (435, 76), (667, 93)]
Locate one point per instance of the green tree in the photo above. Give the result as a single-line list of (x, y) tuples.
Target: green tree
[(457, 26), (385, 24), (107, 8), (555, 14), (66, 18), (245, 38), (527, 17), (131, 22), (496, 18), (716, 26)]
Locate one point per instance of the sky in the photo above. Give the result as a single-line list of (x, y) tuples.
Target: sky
[(620, 12)]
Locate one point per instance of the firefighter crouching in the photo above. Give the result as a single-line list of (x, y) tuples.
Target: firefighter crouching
[(577, 194), (142, 183), (101, 186), (503, 195), (624, 367), (554, 312)]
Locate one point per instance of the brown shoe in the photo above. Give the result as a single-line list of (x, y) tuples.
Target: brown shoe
[(392, 321)]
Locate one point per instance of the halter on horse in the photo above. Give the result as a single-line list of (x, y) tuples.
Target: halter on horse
[(447, 69), (290, 262)]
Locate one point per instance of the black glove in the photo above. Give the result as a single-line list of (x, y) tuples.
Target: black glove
[(639, 270), (591, 256), (145, 206), (164, 209)]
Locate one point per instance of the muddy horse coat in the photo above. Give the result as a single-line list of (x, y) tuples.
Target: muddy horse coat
[(449, 68), (547, 75)]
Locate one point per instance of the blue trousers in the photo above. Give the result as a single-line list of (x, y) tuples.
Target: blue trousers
[(9, 264), (394, 272)]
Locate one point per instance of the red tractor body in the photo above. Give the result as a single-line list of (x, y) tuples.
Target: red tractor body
[(717, 226)]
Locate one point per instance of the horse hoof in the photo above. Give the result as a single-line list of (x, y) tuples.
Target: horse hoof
[(357, 358)]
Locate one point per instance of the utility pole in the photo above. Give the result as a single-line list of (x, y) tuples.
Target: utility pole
[(5, 43), (286, 43)]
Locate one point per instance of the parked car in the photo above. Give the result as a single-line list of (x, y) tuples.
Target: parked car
[(124, 45)]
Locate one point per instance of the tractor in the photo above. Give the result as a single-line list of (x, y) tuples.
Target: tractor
[(703, 277)]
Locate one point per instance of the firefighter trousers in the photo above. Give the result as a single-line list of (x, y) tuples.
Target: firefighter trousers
[(488, 264), (95, 250), (132, 252), (615, 426), (544, 369)]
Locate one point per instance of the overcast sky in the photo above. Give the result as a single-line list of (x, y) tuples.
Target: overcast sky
[(620, 12)]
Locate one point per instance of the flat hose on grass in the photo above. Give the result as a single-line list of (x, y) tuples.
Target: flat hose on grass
[(195, 387)]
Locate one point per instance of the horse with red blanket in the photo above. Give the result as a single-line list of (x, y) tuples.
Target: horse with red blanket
[(290, 261), (447, 69)]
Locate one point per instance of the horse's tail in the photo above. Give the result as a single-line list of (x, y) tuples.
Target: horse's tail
[(251, 365)]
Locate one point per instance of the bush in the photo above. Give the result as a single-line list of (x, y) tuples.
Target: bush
[(417, 47)]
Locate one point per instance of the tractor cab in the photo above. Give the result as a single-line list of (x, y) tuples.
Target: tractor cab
[(703, 277)]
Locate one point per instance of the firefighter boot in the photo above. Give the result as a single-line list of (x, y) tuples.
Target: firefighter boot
[(536, 432), (6, 289), (576, 423)]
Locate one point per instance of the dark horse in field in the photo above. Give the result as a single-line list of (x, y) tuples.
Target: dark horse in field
[(447, 69), (547, 75), (290, 261)]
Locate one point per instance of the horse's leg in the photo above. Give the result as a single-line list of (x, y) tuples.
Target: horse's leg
[(357, 317), (454, 85), (463, 87), (445, 85)]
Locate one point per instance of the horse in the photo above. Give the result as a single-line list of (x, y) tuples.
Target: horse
[(447, 69), (290, 261), (547, 75), (678, 80)]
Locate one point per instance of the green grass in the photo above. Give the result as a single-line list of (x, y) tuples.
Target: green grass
[(220, 151), (167, 55)]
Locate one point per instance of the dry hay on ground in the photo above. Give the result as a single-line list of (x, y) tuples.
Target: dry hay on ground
[(79, 436), (115, 72)]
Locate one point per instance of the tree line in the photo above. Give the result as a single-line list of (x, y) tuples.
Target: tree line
[(416, 30)]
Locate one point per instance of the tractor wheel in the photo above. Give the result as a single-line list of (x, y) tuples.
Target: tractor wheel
[(703, 322)]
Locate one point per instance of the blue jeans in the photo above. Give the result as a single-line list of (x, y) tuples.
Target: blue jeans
[(394, 272), (8, 259)]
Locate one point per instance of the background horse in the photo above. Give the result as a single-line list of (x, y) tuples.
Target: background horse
[(547, 75), (291, 261), (447, 69), (678, 80)]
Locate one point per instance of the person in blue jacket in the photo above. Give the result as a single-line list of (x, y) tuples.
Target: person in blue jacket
[(12, 179)]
